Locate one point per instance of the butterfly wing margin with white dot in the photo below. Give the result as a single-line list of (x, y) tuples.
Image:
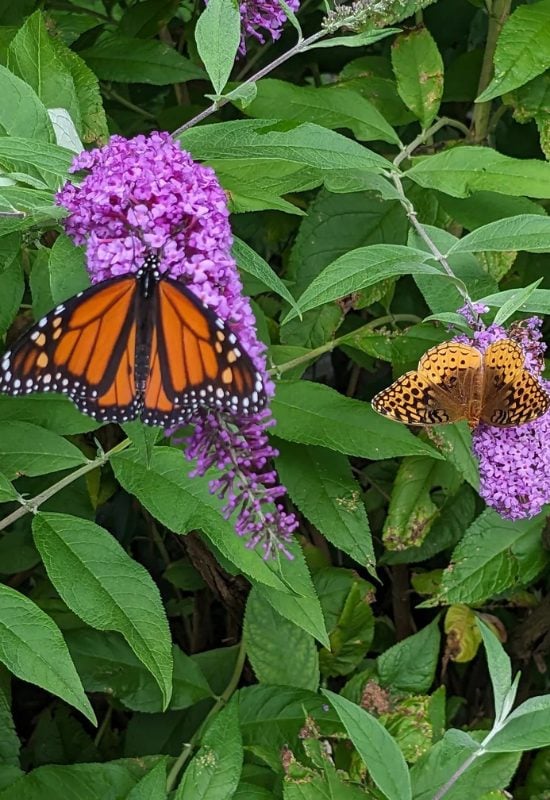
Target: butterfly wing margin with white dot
[(195, 362), (512, 396), (84, 348)]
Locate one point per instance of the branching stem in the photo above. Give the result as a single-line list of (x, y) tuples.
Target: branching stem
[(32, 505), (346, 339), (431, 245)]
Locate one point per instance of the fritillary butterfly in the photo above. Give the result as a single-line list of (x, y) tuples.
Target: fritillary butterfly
[(456, 381)]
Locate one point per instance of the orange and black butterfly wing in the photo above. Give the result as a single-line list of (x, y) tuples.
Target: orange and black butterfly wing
[(84, 348), (442, 390), (512, 395), (195, 362)]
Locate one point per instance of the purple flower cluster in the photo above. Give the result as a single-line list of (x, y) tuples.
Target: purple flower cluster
[(514, 463), (260, 17), (147, 195), (240, 450)]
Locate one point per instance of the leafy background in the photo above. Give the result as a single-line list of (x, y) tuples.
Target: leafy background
[(146, 653)]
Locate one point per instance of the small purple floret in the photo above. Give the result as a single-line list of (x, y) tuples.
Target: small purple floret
[(147, 194)]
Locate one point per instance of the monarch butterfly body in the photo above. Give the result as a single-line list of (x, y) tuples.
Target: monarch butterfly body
[(139, 345)]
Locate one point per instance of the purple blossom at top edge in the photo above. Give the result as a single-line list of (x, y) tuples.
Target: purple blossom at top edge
[(263, 17)]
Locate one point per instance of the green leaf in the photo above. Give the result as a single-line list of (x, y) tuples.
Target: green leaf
[(321, 485), (538, 301), (523, 49), (110, 781), (93, 122), (291, 17), (346, 605), (242, 95), (54, 412), (34, 650), (376, 747), (7, 491), (438, 292), (249, 261), (455, 443), (17, 551), (303, 611), (373, 77), (12, 282), (410, 665), (500, 668), (336, 224), (482, 208), (271, 716), (269, 140), (32, 57), (360, 268), (10, 745), (215, 771), (107, 589), (153, 785), (26, 449), (143, 437), (517, 301), (488, 772), (331, 107), (267, 635), (529, 232), (464, 170), (363, 39), (107, 664), (495, 555), (418, 67), (412, 510), (47, 162), (310, 413), (298, 601), (184, 504), (527, 728), (147, 18), (249, 791), (114, 57), (445, 533), (68, 274), (21, 112), (217, 36)]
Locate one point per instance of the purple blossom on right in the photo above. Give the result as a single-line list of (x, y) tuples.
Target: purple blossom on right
[(514, 463), (261, 17)]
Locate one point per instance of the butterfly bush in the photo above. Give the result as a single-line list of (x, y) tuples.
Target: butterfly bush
[(514, 463), (147, 194), (260, 17)]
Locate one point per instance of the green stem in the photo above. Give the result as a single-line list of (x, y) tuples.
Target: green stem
[(424, 136), (32, 506), (300, 46), (221, 702), (432, 247), (499, 11), (346, 339), (481, 750)]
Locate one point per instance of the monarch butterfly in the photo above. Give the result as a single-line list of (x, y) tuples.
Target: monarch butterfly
[(139, 345)]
